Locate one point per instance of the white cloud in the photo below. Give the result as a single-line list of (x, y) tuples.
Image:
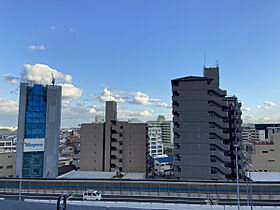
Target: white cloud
[(259, 107), (52, 28), (267, 107), (70, 92), (164, 105), (246, 109), (7, 105), (146, 113), (68, 78), (34, 47), (108, 95), (10, 79), (269, 103), (42, 74), (142, 98), (266, 119), (251, 118)]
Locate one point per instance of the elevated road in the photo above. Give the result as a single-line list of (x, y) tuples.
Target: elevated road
[(223, 193)]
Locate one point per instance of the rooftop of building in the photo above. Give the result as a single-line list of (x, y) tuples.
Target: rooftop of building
[(193, 78), (165, 159), (265, 176)]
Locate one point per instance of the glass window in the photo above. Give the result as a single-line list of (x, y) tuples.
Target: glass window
[(2, 144), (9, 166)]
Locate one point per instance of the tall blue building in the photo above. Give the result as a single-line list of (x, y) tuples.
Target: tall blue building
[(38, 130)]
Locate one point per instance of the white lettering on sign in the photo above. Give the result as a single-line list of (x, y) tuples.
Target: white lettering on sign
[(34, 145)]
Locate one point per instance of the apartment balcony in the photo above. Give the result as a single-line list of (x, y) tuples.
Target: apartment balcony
[(219, 91), (219, 133), (116, 144), (220, 167), (218, 111), (116, 162), (116, 153), (220, 155), (219, 143)]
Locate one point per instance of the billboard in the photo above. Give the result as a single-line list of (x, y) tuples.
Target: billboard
[(34, 145)]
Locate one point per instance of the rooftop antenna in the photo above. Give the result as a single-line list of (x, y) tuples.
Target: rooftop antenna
[(53, 80)]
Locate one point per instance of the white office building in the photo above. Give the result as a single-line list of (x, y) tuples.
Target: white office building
[(155, 142)]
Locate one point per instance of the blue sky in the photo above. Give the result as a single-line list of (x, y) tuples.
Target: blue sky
[(134, 48)]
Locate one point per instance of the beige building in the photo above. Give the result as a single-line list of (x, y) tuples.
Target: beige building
[(267, 156), (113, 145), (7, 164), (6, 146)]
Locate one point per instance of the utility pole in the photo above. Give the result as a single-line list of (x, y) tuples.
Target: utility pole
[(237, 176)]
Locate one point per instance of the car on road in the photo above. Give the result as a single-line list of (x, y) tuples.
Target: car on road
[(91, 195)]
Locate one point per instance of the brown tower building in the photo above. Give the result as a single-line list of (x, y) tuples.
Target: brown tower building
[(113, 145)]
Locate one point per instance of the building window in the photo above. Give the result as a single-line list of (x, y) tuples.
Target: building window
[(264, 151), (271, 161), (8, 143), (2, 144), (271, 150), (211, 125), (1, 167), (9, 166)]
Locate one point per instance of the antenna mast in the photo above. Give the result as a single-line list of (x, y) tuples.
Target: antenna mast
[(53, 80)]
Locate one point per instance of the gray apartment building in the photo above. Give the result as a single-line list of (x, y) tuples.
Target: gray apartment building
[(38, 130), (113, 145), (207, 127)]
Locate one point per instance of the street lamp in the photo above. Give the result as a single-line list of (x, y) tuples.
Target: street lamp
[(250, 180), (237, 175)]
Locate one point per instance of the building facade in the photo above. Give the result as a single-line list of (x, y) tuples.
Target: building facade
[(155, 146), (113, 145), (267, 156), (163, 165), (7, 146), (166, 130), (38, 130), (207, 126), (251, 134), (7, 164)]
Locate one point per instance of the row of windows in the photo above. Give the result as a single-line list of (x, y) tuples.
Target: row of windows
[(2, 144), (8, 166)]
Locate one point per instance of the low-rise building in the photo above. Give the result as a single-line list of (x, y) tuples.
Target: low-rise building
[(7, 146), (7, 164), (163, 165), (267, 156)]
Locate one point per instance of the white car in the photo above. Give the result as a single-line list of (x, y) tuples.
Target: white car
[(91, 195)]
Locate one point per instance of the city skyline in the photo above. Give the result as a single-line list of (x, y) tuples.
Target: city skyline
[(130, 51)]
